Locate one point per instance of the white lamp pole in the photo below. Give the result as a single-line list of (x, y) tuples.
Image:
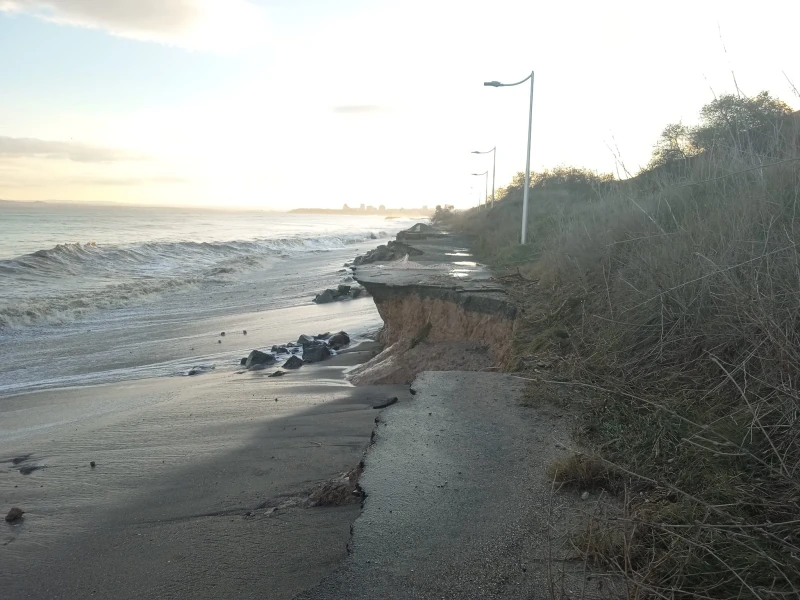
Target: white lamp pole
[(494, 161), (528, 159), (485, 185)]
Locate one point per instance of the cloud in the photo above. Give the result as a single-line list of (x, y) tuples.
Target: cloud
[(358, 109), (35, 148), (195, 24)]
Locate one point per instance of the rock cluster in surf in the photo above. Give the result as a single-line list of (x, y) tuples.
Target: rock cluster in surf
[(312, 348)]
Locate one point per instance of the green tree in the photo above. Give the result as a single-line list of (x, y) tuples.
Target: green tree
[(674, 144), (738, 122)]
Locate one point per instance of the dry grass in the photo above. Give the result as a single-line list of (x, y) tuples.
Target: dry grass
[(583, 473), (680, 295)]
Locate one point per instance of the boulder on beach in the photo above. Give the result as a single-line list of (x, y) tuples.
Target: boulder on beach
[(342, 290), (325, 297), (355, 292), (15, 514), (243, 361), (277, 374), (304, 339), (257, 357), (315, 352), (323, 336), (294, 362), (340, 339)]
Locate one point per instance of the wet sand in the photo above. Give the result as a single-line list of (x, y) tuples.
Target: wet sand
[(193, 491)]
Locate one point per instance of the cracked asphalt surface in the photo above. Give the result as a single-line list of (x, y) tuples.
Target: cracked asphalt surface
[(458, 503)]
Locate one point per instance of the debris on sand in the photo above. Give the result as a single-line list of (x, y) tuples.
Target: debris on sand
[(339, 491), (386, 403)]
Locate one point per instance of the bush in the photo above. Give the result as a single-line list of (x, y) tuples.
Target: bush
[(680, 292)]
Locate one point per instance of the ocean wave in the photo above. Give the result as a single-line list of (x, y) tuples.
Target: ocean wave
[(67, 308), (69, 281)]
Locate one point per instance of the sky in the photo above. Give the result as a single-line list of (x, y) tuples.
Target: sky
[(280, 104)]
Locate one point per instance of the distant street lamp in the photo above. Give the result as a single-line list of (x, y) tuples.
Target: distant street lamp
[(528, 159), (485, 186), (494, 157)]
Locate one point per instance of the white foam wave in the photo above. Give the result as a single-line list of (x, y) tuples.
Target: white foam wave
[(67, 282)]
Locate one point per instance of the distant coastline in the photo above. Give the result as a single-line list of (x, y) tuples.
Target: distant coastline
[(368, 210)]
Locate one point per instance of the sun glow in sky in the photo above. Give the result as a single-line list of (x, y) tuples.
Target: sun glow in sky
[(279, 104)]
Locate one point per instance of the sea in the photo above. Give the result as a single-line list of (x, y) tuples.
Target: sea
[(101, 293)]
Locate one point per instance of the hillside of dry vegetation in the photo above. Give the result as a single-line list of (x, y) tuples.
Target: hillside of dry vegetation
[(672, 300)]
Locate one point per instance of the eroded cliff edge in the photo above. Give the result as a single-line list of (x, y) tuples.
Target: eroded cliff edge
[(441, 310)]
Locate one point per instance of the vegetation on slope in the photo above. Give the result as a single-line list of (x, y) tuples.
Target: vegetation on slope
[(673, 299)]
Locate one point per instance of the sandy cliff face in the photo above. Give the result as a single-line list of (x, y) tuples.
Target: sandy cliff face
[(437, 329)]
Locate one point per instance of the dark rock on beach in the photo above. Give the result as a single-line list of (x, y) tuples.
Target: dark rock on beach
[(342, 292), (340, 339), (30, 469), (277, 374), (293, 363), (315, 352), (304, 339), (256, 357), (15, 514), (243, 361), (325, 297), (323, 336)]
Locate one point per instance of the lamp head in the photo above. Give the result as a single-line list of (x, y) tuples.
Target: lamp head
[(492, 83)]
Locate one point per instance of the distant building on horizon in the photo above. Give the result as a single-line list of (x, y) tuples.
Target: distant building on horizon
[(362, 207), (381, 208)]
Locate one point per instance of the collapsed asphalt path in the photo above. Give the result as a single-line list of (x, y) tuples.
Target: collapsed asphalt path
[(458, 502)]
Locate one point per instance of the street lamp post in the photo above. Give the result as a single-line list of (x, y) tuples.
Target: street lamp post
[(494, 160), (528, 159), (485, 186)]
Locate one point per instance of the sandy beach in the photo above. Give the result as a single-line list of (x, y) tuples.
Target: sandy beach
[(199, 485), (139, 481)]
